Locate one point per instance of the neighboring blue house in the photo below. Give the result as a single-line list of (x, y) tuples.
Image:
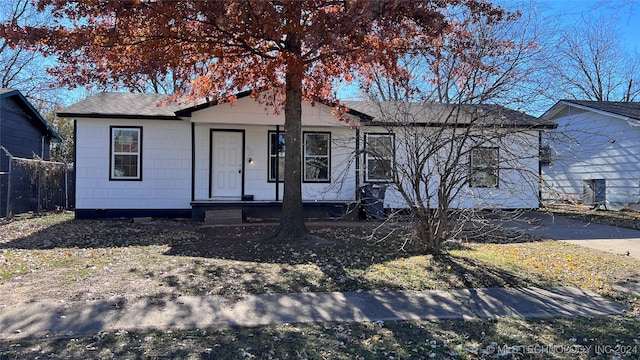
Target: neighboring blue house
[(23, 133)]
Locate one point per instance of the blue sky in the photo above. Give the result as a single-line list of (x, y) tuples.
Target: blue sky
[(568, 13), (626, 13)]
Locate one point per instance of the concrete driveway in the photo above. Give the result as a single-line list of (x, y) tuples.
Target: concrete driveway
[(614, 239)]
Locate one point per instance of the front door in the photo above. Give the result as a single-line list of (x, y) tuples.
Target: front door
[(226, 165)]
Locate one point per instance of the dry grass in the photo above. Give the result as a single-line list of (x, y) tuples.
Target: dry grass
[(57, 257)]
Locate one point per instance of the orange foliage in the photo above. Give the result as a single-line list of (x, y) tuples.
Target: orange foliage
[(222, 47)]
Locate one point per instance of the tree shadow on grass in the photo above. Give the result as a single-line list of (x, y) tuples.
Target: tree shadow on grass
[(452, 339), (243, 259), (346, 260), (109, 233), (242, 262)]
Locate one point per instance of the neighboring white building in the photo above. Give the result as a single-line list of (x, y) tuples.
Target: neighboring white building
[(594, 154), (138, 157)]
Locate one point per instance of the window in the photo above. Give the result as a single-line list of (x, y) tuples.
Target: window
[(378, 157), (126, 150), (316, 157), (484, 167), (276, 156)]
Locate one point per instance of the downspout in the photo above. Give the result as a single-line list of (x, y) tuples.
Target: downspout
[(75, 166), (193, 162), (539, 170)]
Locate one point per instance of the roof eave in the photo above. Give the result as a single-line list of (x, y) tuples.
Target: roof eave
[(118, 116), (50, 131), (462, 125), (549, 114)]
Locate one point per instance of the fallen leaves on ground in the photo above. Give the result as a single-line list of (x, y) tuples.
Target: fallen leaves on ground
[(562, 338), (60, 258)]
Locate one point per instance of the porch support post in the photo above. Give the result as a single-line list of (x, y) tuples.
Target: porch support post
[(357, 153), (193, 162), (277, 171)]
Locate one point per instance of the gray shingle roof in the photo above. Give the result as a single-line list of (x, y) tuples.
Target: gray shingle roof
[(438, 114), (153, 106), (124, 105), (626, 109)]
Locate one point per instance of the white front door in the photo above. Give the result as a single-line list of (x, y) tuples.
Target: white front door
[(226, 165)]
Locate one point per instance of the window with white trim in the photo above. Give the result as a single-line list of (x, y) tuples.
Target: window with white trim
[(317, 156), (484, 167), (125, 152), (378, 157)]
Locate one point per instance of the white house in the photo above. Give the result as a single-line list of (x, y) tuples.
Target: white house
[(138, 156), (593, 156)]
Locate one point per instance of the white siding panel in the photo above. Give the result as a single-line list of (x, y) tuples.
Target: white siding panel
[(593, 146), (247, 111), (518, 176), (341, 187), (166, 167)]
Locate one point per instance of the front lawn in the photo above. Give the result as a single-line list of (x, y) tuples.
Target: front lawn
[(59, 258)]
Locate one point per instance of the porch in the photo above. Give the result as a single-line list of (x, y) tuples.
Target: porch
[(271, 210)]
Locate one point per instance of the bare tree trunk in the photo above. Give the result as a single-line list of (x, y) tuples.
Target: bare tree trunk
[(292, 225)]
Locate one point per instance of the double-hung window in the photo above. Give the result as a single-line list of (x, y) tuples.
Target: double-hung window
[(317, 154), (378, 157), (276, 156), (484, 167), (126, 153)]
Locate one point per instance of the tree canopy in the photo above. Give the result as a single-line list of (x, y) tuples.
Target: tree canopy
[(222, 47)]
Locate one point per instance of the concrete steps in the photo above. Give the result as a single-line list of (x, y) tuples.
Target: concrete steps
[(223, 217)]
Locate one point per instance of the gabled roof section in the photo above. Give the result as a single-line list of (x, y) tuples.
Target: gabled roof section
[(437, 114), (622, 110), (29, 110), (120, 105), (186, 112)]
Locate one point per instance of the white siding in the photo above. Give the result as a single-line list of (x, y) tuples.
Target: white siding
[(588, 146), (167, 164), (341, 187), (518, 175), (247, 111), (166, 167)]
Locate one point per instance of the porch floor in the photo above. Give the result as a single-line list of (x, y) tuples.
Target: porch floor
[(271, 210)]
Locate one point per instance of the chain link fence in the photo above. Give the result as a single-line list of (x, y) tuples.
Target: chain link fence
[(34, 185)]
